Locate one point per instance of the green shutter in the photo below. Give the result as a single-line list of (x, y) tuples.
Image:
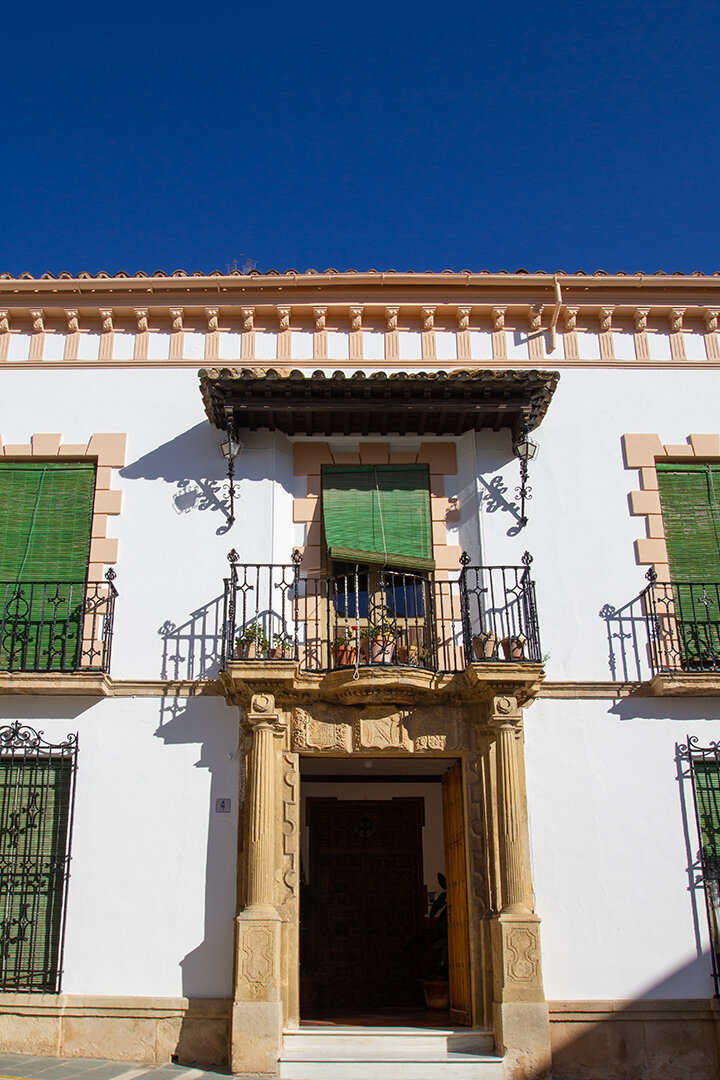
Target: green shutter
[(706, 779), (378, 514), (45, 520), (690, 497), (34, 812), (45, 527)]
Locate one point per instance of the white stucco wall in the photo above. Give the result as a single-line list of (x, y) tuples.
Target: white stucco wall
[(151, 896), (612, 840)]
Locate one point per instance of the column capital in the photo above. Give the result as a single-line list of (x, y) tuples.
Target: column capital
[(106, 314), (505, 713), (606, 315), (570, 315), (711, 319), (463, 318), (141, 314), (248, 317), (641, 316), (71, 314), (428, 317), (356, 314), (212, 314), (391, 314), (38, 320), (498, 318), (319, 314)]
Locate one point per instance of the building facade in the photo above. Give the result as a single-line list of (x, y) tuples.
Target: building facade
[(315, 587)]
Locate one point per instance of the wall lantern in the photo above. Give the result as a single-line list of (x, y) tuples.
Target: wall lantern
[(524, 450), (230, 450)]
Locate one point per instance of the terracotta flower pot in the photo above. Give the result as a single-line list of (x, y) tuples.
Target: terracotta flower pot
[(345, 655), (485, 646), (247, 650), (382, 650), (513, 648)]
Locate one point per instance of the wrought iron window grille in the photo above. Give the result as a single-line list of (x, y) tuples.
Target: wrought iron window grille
[(37, 794), (702, 768)]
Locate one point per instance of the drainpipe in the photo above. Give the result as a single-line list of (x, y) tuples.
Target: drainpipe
[(555, 315)]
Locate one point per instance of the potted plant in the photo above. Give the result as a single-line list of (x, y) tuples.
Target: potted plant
[(436, 987), (282, 647), (345, 649), (485, 645), (252, 642), (513, 647), (383, 642)]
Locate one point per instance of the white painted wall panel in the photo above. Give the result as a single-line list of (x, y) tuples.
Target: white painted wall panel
[(158, 346), (624, 346), (88, 346), (695, 347), (409, 345), (229, 345), (373, 345), (516, 343), (123, 346), (54, 347), (19, 347), (588, 345), (338, 346), (446, 344), (193, 345), (265, 345), (302, 344), (659, 346), (481, 345)]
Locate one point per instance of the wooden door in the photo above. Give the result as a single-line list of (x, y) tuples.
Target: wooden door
[(366, 901), (457, 896)]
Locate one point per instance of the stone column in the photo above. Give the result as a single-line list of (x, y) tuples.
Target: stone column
[(256, 1035), (520, 1013)]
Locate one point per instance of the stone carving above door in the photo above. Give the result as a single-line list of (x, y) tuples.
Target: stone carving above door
[(355, 729)]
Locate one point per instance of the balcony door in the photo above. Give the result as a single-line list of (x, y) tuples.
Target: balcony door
[(45, 529)]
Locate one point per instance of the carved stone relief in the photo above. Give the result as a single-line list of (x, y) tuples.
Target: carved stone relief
[(290, 838), (257, 955), (350, 728), (522, 950)]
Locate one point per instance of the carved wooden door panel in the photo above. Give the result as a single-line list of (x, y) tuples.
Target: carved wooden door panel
[(366, 900), (457, 895)]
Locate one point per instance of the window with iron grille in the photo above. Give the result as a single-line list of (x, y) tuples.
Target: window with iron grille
[(705, 771), (37, 781), (46, 512)]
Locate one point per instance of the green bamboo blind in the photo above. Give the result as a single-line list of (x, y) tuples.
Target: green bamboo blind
[(45, 520), (378, 514), (706, 779), (34, 812)]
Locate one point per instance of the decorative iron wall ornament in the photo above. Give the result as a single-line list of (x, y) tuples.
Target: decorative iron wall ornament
[(37, 789)]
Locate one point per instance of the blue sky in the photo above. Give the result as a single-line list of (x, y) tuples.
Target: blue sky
[(570, 136)]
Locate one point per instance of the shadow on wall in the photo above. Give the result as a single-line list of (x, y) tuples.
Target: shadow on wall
[(207, 969), (193, 649), (628, 642), (656, 1037), (193, 464), (15, 707)]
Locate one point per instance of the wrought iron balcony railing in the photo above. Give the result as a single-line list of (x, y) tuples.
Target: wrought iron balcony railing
[(57, 625), (683, 620), (366, 616)]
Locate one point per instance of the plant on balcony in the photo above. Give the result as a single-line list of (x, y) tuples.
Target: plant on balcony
[(382, 639), (252, 642), (282, 647)]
